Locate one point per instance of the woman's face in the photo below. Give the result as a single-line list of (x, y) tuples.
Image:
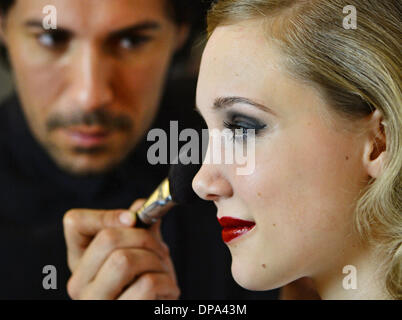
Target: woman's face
[(307, 174)]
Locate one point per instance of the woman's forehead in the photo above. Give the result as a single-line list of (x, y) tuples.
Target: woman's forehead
[(238, 62)]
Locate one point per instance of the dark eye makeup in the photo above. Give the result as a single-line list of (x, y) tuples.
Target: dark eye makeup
[(237, 121)]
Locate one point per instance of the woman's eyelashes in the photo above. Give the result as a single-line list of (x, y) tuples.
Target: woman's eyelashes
[(241, 125)]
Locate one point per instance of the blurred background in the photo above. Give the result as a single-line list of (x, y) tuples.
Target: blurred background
[(186, 62), (5, 83)]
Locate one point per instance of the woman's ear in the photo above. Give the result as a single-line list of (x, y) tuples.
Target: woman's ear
[(375, 149)]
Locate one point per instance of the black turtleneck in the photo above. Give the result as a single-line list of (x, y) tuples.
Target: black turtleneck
[(35, 194)]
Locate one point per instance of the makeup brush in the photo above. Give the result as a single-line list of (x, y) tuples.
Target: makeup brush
[(176, 189)]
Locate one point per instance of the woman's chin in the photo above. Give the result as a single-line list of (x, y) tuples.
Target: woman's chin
[(259, 277), (251, 279)]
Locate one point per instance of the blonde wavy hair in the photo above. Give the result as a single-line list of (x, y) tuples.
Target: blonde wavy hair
[(358, 70)]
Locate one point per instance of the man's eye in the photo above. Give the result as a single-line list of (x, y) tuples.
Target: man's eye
[(52, 40), (132, 42)]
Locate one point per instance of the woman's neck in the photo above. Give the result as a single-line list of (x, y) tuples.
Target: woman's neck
[(358, 274)]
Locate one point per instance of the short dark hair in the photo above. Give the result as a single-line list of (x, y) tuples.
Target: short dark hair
[(181, 9), (5, 5), (183, 12)]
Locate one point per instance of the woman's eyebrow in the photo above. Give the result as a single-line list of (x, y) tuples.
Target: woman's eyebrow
[(226, 102)]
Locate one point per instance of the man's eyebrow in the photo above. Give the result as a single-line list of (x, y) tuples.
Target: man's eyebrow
[(38, 24), (226, 102), (142, 26)]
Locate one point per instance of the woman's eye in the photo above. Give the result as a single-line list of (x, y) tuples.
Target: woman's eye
[(243, 125)]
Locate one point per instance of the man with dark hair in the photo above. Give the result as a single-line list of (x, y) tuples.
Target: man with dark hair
[(73, 137)]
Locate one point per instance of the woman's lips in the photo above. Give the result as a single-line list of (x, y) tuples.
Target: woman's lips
[(233, 228)]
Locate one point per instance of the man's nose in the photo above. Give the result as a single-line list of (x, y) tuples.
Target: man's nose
[(210, 184), (91, 83)]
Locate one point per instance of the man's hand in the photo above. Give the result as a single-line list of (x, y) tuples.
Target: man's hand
[(109, 259)]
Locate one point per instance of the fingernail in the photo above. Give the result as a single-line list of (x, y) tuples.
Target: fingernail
[(127, 218)]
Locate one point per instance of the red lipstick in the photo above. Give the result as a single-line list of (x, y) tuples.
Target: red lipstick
[(233, 228)]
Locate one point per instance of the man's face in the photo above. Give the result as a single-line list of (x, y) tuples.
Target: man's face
[(91, 88)]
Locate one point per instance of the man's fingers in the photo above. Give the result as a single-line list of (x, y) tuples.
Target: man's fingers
[(120, 269), (137, 204), (154, 228), (107, 241), (81, 225), (152, 286)]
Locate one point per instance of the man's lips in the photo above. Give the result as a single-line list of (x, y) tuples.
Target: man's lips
[(233, 228), (87, 137)]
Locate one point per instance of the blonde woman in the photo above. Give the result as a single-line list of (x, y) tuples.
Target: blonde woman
[(325, 199)]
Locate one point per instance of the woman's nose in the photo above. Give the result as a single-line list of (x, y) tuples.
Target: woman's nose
[(209, 183)]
